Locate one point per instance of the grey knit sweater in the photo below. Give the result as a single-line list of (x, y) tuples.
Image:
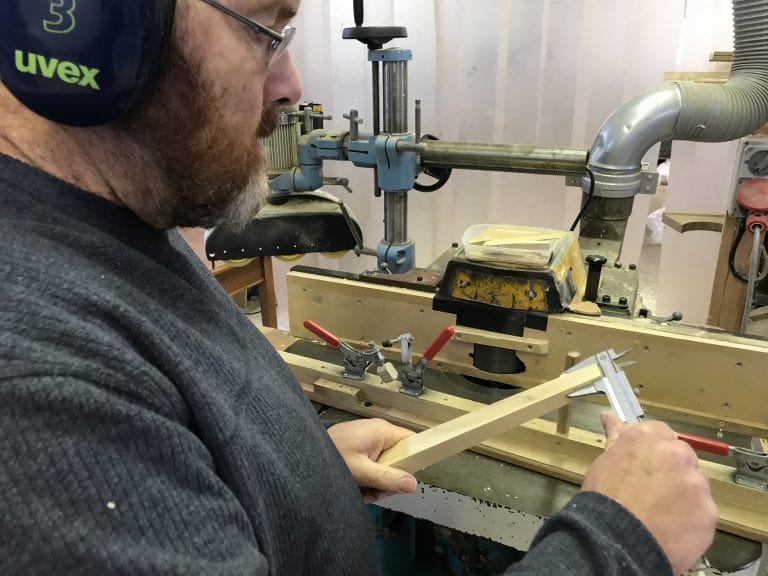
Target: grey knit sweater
[(147, 428)]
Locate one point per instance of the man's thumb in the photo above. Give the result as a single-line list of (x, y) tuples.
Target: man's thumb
[(612, 426), (372, 475)]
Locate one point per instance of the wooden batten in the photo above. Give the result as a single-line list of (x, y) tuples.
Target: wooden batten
[(458, 434)]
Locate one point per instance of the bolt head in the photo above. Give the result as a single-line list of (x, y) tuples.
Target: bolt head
[(606, 298), (623, 301)]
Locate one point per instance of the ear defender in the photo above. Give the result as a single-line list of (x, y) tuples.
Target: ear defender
[(83, 62)]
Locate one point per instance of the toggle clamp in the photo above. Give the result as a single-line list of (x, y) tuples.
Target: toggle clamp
[(356, 362), (412, 375)]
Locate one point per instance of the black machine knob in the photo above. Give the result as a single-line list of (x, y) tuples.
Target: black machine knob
[(674, 317), (595, 264), (372, 36)]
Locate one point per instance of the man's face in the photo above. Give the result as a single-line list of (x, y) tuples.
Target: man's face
[(215, 98)]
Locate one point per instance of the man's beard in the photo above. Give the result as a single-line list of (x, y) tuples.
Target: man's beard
[(213, 173)]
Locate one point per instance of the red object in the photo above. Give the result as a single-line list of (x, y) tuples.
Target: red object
[(705, 444), (752, 195), (322, 333), (439, 342)]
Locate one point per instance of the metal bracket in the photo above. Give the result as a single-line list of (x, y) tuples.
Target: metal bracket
[(751, 469), (650, 180), (356, 362), (411, 379), (412, 375)]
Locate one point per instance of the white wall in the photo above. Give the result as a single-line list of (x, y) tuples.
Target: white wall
[(700, 176), (545, 72)]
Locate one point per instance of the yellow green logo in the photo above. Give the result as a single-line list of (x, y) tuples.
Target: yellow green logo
[(64, 70)]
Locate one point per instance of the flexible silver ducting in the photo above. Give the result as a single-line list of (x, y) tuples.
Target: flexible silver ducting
[(684, 111)]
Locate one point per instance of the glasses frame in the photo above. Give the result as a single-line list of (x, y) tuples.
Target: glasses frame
[(279, 41)]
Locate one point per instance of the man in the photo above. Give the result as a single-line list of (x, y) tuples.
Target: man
[(146, 427)]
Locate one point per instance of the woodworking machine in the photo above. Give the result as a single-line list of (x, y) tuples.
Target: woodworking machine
[(515, 325)]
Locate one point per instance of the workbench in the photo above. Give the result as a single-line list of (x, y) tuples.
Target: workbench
[(493, 499)]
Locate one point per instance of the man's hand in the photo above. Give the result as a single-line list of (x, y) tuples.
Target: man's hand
[(655, 476), (360, 443)]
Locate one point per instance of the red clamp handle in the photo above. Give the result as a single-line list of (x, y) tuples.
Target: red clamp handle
[(322, 333), (705, 444), (439, 342)]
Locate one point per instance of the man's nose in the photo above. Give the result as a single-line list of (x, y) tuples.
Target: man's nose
[(283, 85)]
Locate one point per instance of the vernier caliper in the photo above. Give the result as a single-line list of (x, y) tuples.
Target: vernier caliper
[(614, 384)]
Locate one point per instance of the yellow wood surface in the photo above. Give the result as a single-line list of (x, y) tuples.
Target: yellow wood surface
[(688, 222), (477, 336)]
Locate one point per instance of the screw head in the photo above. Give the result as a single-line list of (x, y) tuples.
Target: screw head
[(623, 301), (606, 298), (633, 266), (617, 264)]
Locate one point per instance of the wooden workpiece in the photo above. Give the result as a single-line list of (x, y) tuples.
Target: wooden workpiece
[(458, 434), (534, 445), (682, 372)]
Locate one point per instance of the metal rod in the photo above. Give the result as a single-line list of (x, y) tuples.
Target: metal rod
[(395, 92), (376, 117), (417, 119), (754, 261), (376, 98), (395, 217), (395, 121), (500, 157)]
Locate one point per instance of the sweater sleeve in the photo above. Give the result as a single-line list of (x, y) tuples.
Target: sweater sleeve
[(593, 536), (96, 482)]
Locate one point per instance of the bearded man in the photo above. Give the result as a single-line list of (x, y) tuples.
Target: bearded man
[(146, 427)]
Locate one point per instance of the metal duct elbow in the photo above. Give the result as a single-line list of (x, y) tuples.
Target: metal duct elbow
[(687, 111)]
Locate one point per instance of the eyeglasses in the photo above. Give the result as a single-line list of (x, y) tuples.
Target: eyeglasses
[(278, 42)]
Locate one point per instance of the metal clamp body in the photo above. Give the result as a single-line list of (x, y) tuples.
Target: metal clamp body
[(356, 362), (751, 468)]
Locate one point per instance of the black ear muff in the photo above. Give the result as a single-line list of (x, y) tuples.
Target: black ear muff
[(82, 62)]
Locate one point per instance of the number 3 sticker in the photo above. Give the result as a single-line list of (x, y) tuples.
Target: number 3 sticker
[(62, 18)]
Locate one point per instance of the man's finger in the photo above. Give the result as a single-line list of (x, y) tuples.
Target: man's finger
[(612, 426)]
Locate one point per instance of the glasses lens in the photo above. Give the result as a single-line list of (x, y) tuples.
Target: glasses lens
[(281, 47)]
